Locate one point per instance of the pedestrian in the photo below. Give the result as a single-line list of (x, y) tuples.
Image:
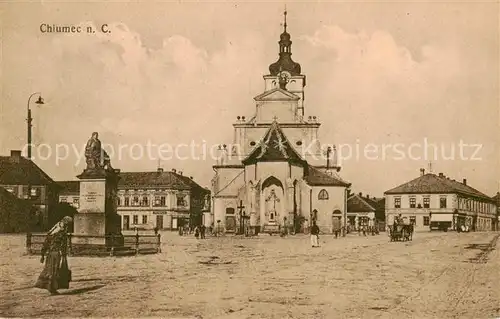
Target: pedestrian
[(197, 232), (55, 275), (202, 231), (314, 235)]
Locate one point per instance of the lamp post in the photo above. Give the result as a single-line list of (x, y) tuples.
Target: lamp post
[(30, 119)]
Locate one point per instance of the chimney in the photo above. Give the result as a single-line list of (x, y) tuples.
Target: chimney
[(465, 181), (441, 175), (180, 173), (191, 177), (360, 194), (160, 170), (367, 196), (15, 156), (174, 170), (422, 171)]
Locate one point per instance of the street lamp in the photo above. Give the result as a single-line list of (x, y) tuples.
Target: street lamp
[(30, 119)]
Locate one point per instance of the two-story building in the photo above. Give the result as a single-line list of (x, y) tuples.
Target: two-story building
[(496, 198), (25, 180), (69, 193), (437, 202), (160, 199)]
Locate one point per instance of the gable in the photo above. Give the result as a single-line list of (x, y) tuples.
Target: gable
[(274, 146), (277, 94)]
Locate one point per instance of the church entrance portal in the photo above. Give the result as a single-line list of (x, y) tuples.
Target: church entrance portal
[(273, 200)]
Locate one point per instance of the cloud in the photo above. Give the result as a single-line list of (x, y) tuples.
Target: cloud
[(362, 85)]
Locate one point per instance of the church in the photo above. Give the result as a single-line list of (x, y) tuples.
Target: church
[(276, 174)]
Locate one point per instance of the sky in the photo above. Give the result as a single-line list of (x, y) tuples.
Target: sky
[(378, 73)]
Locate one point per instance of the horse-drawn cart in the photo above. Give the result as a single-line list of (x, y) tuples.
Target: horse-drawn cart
[(401, 232)]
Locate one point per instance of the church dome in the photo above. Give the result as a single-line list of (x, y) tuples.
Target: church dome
[(285, 62)]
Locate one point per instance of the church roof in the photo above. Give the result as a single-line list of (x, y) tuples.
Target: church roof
[(315, 177), (277, 94), (433, 184), (357, 204), (274, 146)]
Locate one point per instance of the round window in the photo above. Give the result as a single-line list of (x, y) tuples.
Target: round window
[(299, 143), (252, 143)]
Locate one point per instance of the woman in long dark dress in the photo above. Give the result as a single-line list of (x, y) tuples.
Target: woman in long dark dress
[(54, 248)]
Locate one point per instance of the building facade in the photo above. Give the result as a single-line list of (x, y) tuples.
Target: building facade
[(436, 202), (360, 213), (276, 174), (162, 200), (25, 180)]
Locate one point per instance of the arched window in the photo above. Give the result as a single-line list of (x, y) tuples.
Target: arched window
[(323, 194)]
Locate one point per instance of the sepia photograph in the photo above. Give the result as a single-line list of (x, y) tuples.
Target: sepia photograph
[(249, 159)]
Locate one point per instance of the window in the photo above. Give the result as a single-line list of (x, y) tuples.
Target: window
[(427, 202), (413, 220), (397, 202), (135, 219), (144, 201), (127, 201), (323, 195), (442, 202), (160, 201), (181, 200), (35, 193), (426, 220), (413, 202), (144, 219), (135, 201), (229, 211), (64, 200), (76, 201), (118, 201)]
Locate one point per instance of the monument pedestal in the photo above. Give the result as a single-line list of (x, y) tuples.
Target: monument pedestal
[(97, 222)]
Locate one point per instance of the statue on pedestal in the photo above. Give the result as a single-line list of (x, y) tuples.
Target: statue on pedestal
[(96, 157)]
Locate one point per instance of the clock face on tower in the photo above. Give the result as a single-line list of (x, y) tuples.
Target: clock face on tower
[(284, 76)]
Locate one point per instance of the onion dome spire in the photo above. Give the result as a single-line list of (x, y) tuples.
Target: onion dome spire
[(285, 62)]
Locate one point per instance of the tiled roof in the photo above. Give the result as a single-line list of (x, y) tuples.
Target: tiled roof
[(315, 177), (169, 180), (273, 147), (69, 187), (194, 186), (377, 203), (22, 172), (357, 204), (432, 184)]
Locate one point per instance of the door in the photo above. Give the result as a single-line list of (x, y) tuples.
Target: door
[(174, 223), (230, 223), (159, 221), (126, 222), (336, 223)]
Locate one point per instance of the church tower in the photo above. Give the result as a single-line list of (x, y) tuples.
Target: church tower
[(275, 175), (285, 73)]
